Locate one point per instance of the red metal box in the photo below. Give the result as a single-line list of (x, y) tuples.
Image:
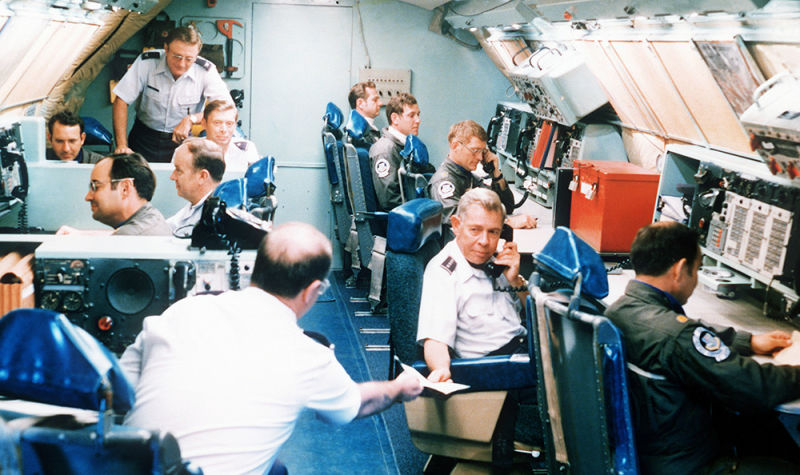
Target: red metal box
[(610, 202)]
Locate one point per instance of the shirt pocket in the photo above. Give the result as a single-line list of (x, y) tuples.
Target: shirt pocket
[(190, 98)]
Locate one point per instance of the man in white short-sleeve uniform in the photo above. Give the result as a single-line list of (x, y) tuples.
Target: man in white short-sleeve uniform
[(228, 375), (172, 86)]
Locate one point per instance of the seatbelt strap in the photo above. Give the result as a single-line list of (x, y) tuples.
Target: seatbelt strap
[(376, 264), (553, 407)]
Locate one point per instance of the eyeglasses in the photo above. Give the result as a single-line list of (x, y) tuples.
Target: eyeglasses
[(95, 185), (323, 287), (178, 57), (473, 150)]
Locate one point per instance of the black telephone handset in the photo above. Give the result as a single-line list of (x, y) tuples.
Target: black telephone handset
[(493, 270), (488, 166)]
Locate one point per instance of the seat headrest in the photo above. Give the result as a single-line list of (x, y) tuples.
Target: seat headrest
[(356, 126), (416, 150), (567, 255), (45, 358), (232, 192), (414, 223), (260, 177), (333, 116), (96, 134)]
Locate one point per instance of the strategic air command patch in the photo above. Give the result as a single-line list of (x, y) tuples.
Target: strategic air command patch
[(446, 189), (382, 168), (707, 343)]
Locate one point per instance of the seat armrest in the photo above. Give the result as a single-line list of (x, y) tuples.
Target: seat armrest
[(490, 373)]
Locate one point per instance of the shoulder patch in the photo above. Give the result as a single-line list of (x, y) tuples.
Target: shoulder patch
[(382, 168), (151, 55), (682, 318), (241, 145), (707, 343), (446, 189), (203, 63), (449, 265)]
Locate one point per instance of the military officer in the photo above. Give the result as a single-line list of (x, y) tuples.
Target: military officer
[(684, 371), (454, 176), (219, 121), (402, 112), (365, 101), (172, 86)]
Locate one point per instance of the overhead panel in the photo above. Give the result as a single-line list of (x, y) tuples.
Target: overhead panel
[(734, 73), (52, 60), (657, 90), (18, 36), (774, 58), (620, 90), (558, 10), (702, 96)]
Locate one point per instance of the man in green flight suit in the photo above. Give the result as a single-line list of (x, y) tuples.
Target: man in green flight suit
[(683, 372)]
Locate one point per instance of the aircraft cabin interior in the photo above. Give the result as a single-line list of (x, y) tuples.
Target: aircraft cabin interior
[(604, 115)]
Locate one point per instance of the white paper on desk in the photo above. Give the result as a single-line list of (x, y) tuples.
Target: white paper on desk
[(791, 354), (444, 387), (533, 240)]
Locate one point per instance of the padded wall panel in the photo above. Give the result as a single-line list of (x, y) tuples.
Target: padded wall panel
[(657, 90), (707, 104), (619, 90), (67, 41)]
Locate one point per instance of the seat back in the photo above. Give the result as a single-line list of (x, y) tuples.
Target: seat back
[(591, 428), (45, 358), (413, 171), (333, 148), (413, 234), (580, 364)]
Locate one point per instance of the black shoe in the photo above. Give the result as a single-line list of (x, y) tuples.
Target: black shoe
[(502, 455)]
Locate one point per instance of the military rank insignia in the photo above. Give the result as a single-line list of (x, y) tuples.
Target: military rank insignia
[(707, 343), (449, 265), (682, 318)]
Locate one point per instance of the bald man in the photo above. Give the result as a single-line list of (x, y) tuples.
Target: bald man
[(198, 170), (232, 408)]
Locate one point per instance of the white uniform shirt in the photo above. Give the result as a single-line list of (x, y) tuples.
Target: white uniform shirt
[(228, 375), (184, 220), (459, 306), (240, 154), (164, 101)]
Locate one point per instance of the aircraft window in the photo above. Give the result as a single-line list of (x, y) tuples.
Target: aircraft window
[(774, 58), (702, 95), (18, 36), (605, 65), (49, 57), (738, 76), (657, 90)]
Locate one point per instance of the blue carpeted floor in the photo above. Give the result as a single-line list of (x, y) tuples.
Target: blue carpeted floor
[(375, 445)]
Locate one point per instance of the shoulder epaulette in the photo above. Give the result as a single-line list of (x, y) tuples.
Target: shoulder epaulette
[(449, 265), (152, 54), (242, 145), (203, 63)]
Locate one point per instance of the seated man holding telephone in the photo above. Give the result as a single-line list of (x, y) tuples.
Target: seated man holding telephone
[(468, 311), (455, 175)]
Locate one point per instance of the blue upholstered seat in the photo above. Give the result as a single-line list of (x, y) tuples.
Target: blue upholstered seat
[(96, 133)]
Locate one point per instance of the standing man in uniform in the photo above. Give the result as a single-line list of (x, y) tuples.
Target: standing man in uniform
[(219, 120), (402, 112), (454, 176), (364, 100), (65, 132), (461, 312), (198, 171), (684, 372), (172, 86)]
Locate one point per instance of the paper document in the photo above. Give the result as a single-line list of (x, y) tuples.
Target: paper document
[(445, 388), (791, 354)]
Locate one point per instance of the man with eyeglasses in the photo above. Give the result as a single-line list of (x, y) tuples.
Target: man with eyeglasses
[(120, 189), (219, 121), (172, 86), (455, 175), (402, 112), (230, 374)]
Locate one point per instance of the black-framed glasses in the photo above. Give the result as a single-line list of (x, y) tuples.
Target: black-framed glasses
[(95, 185), (323, 287)]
